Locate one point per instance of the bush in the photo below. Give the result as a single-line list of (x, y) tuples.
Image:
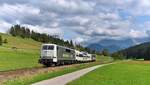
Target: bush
[(117, 56), (105, 52), (5, 41)]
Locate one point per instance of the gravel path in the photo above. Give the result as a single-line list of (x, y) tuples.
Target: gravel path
[(64, 79)]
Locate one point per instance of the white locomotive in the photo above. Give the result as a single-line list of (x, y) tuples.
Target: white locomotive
[(59, 55)]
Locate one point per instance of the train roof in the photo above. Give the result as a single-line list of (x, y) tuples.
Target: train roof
[(58, 45)]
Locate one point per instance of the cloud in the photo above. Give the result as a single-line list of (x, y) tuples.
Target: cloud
[(18, 14), (138, 34), (64, 6), (89, 21), (12, 13), (52, 31), (4, 26)]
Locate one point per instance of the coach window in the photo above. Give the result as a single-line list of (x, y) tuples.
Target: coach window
[(67, 50), (57, 47), (80, 55)]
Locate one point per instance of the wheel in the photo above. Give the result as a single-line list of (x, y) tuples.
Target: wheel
[(62, 63), (48, 65)]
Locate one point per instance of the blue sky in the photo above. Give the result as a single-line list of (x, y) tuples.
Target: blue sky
[(83, 21)]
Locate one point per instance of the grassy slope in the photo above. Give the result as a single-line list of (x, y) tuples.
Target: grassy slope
[(126, 73), (25, 56)]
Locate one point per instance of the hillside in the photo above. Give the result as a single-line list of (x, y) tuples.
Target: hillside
[(18, 53), (141, 51), (19, 42)]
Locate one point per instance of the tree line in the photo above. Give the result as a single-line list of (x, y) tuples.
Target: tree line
[(24, 32)]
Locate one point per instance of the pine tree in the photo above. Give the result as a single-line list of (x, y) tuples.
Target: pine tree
[(17, 30), (12, 31), (71, 43), (23, 32), (1, 41), (28, 34)]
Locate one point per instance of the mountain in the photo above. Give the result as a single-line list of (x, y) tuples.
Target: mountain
[(138, 51), (97, 47), (111, 45)]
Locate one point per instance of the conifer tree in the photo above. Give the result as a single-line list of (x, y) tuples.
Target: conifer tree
[(1, 41)]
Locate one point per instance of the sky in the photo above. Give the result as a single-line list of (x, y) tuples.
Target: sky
[(83, 21)]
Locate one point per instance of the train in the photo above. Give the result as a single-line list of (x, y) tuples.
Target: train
[(53, 54)]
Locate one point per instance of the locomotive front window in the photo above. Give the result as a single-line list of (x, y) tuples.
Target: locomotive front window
[(48, 47), (45, 47)]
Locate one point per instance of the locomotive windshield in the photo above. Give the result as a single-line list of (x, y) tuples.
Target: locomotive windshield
[(48, 47)]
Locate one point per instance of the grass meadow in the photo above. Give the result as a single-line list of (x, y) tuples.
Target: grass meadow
[(18, 59), (19, 53), (124, 73)]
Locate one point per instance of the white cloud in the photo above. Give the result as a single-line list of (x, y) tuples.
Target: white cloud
[(91, 21), (79, 40), (65, 6), (13, 13), (138, 34), (4, 26), (40, 29)]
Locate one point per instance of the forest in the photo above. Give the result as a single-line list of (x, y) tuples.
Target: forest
[(24, 32), (141, 51)]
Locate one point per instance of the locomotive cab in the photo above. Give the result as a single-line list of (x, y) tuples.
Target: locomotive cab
[(48, 54)]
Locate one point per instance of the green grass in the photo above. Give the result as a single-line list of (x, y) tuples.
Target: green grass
[(29, 79), (125, 73), (19, 42), (25, 56), (12, 60)]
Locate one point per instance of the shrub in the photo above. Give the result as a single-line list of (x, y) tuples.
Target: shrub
[(117, 56), (5, 41)]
